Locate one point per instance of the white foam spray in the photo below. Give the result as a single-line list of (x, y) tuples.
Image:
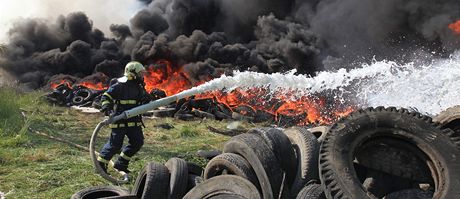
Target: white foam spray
[(428, 88)]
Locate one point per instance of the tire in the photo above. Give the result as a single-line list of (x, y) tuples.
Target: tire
[(233, 164), (152, 182), (410, 193), (380, 184), (123, 197), (86, 94), (179, 177), (262, 160), (208, 154), (232, 185), (81, 96), (394, 156), (99, 192), (311, 191), (449, 118), (440, 148), (194, 169), (77, 100), (193, 181), (167, 112), (280, 144), (319, 132), (307, 149)]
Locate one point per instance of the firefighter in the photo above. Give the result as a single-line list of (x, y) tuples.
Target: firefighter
[(126, 94)]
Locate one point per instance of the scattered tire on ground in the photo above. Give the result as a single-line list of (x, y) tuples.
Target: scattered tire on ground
[(167, 112), (152, 182), (179, 177), (230, 163), (306, 147), (99, 192), (439, 148), (227, 186)]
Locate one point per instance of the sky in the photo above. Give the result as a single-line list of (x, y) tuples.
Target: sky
[(119, 12)]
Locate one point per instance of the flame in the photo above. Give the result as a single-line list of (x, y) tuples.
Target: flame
[(455, 27), (55, 84), (313, 109), (306, 110), (163, 76), (93, 86)]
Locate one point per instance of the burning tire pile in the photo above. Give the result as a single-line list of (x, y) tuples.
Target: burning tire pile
[(65, 95), (235, 105), (372, 153)]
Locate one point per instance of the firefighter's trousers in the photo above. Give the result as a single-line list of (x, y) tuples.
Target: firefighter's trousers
[(115, 143)]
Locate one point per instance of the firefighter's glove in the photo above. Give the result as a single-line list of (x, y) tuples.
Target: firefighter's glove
[(106, 109)]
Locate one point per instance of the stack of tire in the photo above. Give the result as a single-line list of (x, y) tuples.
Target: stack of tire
[(372, 153), (171, 180)]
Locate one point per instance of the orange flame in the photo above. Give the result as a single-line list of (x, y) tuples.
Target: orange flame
[(94, 86), (455, 27), (283, 104), (309, 109), (163, 76), (54, 85)]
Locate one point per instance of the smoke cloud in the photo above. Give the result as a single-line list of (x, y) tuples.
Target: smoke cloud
[(211, 37)]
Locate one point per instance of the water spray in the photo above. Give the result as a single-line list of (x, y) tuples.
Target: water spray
[(430, 88)]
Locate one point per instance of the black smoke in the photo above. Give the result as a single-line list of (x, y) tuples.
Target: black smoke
[(211, 37)]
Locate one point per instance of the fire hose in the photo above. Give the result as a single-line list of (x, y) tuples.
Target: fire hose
[(125, 115)]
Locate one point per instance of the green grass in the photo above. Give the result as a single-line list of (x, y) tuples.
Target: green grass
[(32, 166)]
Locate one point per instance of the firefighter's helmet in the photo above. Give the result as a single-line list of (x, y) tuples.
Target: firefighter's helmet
[(134, 70)]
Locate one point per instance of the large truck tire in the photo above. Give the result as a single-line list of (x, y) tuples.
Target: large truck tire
[(439, 148)]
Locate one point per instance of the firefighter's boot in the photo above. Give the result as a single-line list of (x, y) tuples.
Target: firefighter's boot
[(122, 165)]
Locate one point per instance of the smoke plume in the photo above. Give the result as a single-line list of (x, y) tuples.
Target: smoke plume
[(211, 37)]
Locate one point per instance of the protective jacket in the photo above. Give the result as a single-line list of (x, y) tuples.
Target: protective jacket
[(123, 96)]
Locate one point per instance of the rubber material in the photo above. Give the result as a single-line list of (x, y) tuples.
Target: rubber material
[(440, 147), (99, 192), (235, 186), (311, 191), (179, 176), (449, 118), (307, 149), (280, 144), (254, 149), (230, 163), (152, 182)]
